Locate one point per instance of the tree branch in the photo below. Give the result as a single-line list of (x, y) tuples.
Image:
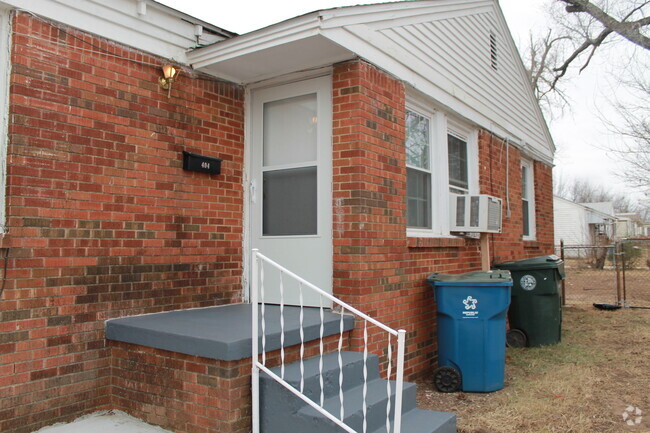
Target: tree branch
[(595, 43), (630, 30)]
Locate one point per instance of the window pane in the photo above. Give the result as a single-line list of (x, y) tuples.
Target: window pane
[(457, 149), (290, 127), (417, 140), (289, 202), (418, 199), (524, 182), (526, 217)]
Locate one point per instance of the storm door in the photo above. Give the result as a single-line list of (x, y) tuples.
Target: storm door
[(291, 176)]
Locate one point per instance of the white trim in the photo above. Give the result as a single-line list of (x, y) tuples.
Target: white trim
[(530, 183), (429, 115), (382, 16), (161, 31), (5, 79), (470, 135), (246, 238), (509, 41), (292, 78)]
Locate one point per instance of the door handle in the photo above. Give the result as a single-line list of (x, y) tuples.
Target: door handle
[(253, 191)]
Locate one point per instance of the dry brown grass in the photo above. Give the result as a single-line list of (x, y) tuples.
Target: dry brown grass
[(581, 385)]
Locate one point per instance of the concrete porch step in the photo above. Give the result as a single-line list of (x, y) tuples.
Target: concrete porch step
[(222, 332), (376, 400), (282, 412), (352, 370)]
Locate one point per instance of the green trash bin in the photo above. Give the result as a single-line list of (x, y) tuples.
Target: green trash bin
[(535, 313)]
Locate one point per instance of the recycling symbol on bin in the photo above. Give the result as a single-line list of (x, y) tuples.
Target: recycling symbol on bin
[(528, 282), (470, 303)]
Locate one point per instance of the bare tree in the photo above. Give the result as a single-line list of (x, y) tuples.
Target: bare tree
[(633, 130), (540, 59), (581, 27), (592, 22)]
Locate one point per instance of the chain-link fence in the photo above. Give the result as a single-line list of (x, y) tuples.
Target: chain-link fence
[(616, 273), (635, 275), (590, 274)]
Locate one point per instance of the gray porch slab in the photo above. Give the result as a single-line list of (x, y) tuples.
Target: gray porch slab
[(222, 332)]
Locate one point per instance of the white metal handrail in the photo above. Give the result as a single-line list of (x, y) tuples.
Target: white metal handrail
[(257, 291)]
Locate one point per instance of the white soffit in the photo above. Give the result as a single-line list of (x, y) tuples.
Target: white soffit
[(309, 53)]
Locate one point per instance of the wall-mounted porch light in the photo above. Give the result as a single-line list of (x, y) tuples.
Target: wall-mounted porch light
[(170, 74)]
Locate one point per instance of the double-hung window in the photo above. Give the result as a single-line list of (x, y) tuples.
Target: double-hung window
[(527, 199), (418, 170), (458, 164), (441, 158)]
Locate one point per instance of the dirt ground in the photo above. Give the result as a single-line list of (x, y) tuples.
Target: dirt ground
[(582, 385)]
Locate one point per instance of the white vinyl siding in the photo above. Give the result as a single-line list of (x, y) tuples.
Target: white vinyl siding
[(459, 47), (570, 222)]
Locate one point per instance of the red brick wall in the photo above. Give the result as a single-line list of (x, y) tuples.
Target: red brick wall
[(192, 394), (376, 267), (103, 222)]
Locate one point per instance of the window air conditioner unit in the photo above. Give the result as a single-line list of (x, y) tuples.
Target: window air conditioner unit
[(475, 213)]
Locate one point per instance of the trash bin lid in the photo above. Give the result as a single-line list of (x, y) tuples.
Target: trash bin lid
[(541, 262), (498, 277)]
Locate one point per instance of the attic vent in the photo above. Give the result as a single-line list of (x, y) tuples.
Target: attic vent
[(493, 50)]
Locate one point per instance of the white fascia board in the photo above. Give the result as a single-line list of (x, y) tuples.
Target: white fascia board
[(408, 68), (399, 14), (522, 70), (157, 32), (278, 34)]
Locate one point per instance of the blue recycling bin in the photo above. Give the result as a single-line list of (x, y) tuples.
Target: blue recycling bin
[(471, 318)]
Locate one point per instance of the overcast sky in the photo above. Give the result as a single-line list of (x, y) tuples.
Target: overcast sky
[(579, 134)]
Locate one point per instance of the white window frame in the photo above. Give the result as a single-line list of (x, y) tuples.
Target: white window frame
[(441, 125), (429, 115), (5, 76), (530, 193), (470, 136)]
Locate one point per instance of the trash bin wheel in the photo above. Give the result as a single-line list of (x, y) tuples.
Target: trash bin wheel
[(446, 379), (516, 338)]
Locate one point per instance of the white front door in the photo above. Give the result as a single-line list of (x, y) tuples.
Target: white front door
[(291, 184)]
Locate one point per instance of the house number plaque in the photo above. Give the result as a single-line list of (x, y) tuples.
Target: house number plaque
[(200, 163)]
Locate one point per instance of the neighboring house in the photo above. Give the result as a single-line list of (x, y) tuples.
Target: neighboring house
[(646, 229), (395, 106), (579, 224), (630, 225)]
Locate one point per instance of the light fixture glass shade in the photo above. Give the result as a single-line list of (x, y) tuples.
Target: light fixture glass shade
[(169, 72)]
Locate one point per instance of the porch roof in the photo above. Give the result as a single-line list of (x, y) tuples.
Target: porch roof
[(222, 332)]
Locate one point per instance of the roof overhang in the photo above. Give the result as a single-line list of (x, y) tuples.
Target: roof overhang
[(293, 45)]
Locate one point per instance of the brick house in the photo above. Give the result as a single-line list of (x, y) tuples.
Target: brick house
[(400, 105)]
